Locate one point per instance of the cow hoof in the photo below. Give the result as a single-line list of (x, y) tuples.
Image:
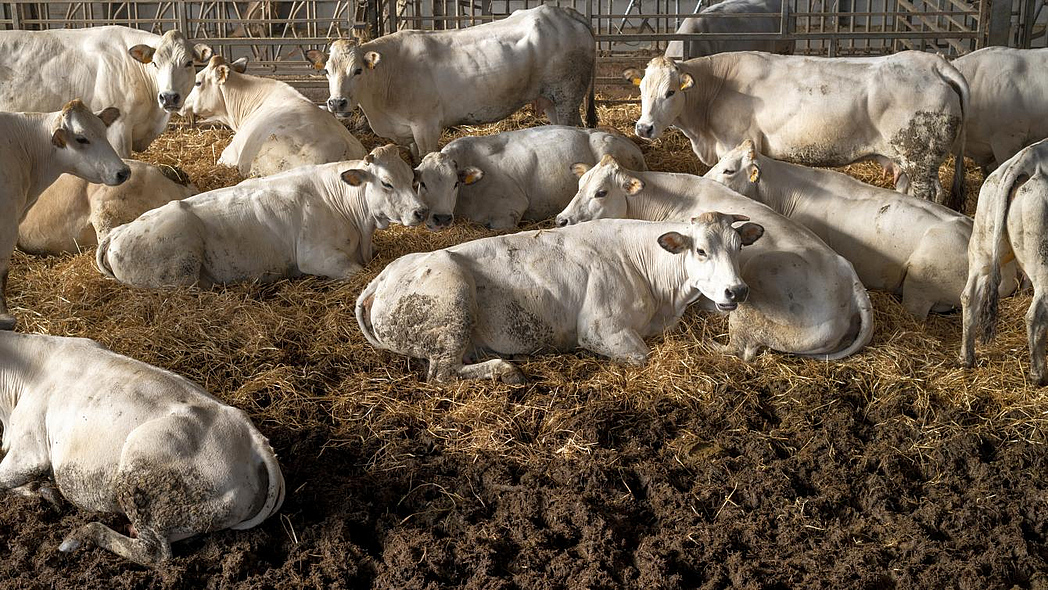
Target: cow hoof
[(511, 375), (7, 321), (71, 543)]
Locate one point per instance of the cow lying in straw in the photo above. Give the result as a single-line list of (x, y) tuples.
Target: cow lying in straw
[(897, 243), (603, 286), (276, 128), (315, 220), (74, 214), (118, 435), (805, 300), (37, 149), (1011, 221)]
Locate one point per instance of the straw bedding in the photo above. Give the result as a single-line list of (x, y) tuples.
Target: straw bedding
[(893, 467)]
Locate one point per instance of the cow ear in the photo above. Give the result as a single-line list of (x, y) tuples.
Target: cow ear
[(369, 159), (239, 66), (755, 174), (221, 73), (58, 138), (202, 52), (686, 81), (371, 59), (580, 169), (470, 174), (142, 53), (632, 185), (750, 232), (355, 176), (633, 76), (317, 58), (674, 242), (109, 115)]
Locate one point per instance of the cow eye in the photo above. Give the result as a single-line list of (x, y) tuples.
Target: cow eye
[(323, 72), (358, 71), (701, 252), (189, 64), (82, 140), (387, 185), (198, 83), (422, 185), (670, 93), (457, 184), (601, 194), (729, 171)]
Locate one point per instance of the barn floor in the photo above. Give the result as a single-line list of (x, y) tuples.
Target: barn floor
[(894, 468)]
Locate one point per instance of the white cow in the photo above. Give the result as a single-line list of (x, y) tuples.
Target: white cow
[(717, 19), (602, 286), (315, 220), (498, 180), (118, 435), (897, 243), (144, 75), (908, 109), (36, 149), (1009, 101), (413, 84), (276, 128), (804, 298), (1011, 221), (74, 214)]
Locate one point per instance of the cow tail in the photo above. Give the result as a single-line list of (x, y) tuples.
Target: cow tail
[(101, 254), (275, 495), (865, 334), (956, 80), (364, 315), (1001, 202)]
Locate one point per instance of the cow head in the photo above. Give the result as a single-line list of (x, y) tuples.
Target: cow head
[(662, 88), (738, 170), (81, 147), (711, 247), (437, 181), (172, 61), (345, 66), (387, 181), (603, 190), (207, 99)]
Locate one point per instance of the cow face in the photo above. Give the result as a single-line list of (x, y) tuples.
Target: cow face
[(437, 182), (738, 170), (662, 88), (345, 66), (387, 181), (208, 99), (172, 63), (82, 149), (710, 248), (603, 191)]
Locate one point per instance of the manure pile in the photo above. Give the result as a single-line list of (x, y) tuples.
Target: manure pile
[(893, 468)]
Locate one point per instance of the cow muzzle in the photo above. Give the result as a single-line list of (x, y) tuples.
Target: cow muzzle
[(644, 130), (337, 105), (120, 177), (734, 296), (563, 221), (440, 221), (171, 101)]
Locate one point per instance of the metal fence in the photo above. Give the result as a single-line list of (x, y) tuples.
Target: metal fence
[(274, 34)]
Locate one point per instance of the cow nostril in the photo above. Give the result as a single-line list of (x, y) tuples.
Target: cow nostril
[(741, 293), (442, 220), (123, 175), (420, 214), (562, 222)]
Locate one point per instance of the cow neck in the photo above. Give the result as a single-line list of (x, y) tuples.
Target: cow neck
[(709, 74), (30, 137), (244, 96), (658, 202), (665, 273), (350, 203), (779, 187), (378, 82)]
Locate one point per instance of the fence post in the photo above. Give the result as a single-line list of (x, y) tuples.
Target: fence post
[(392, 5), (1000, 22)]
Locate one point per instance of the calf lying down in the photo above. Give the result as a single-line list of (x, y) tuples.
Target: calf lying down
[(603, 286), (118, 435), (73, 214), (315, 220), (806, 299)]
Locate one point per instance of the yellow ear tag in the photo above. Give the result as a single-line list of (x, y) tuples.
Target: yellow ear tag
[(317, 66), (755, 174), (636, 81)]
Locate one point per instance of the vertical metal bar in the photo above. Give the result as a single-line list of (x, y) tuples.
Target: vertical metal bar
[(392, 9), (183, 20), (16, 16)]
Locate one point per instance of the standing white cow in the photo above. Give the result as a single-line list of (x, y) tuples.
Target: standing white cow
[(897, 243), (603, 286), (144, 75), (498, 180), (710, 20), (1009, 101), (74, 214), (1011, 221), (36, 149), (118, 435), (276, 128), (413, 84), (804, 298), (907, 109), (315, 220)]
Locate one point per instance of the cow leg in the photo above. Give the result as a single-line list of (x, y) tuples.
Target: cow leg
[(7, 321), (426, 138), (8, 239), (319, 260), (148, 549), (1037, 334), (497, 369), (545, 105), (623, 346), (119, 135)]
